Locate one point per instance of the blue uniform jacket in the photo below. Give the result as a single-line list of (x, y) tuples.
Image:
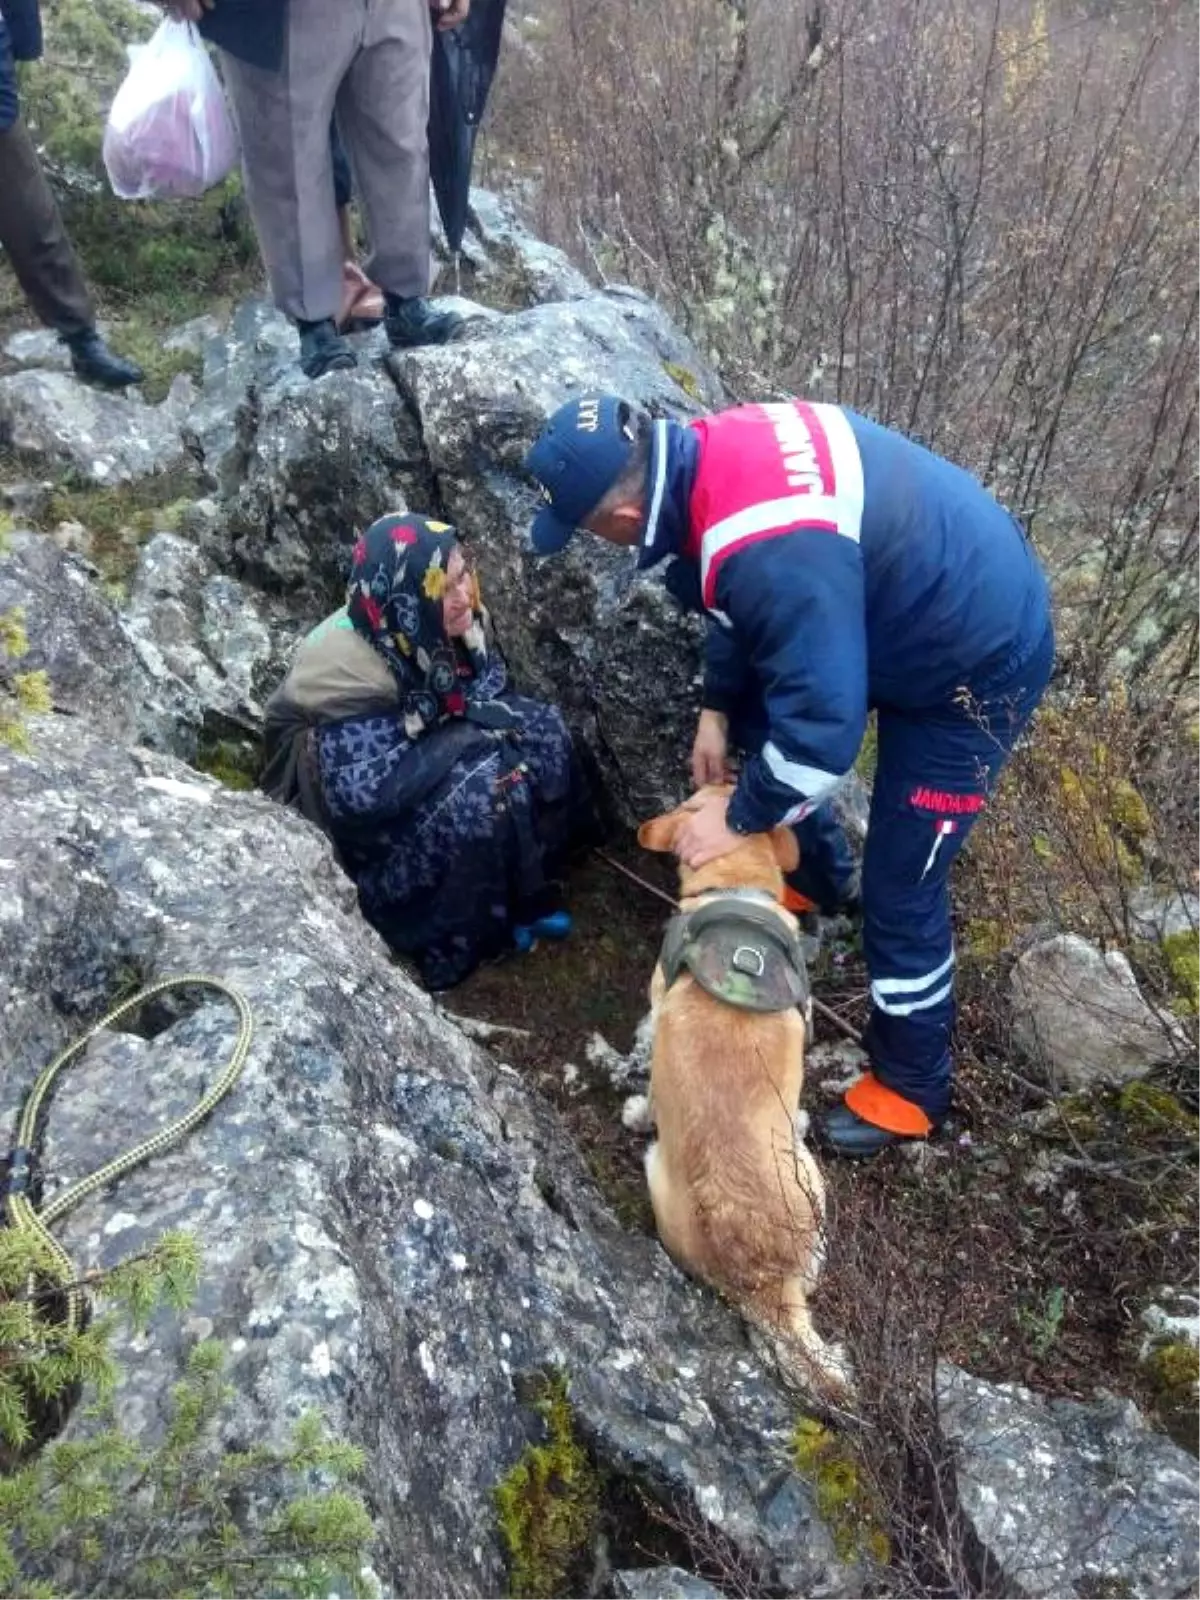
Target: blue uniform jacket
[(939, 591)]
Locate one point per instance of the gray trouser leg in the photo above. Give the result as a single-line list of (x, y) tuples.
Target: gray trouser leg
[(283, 121), (371, 59), (383, 112)]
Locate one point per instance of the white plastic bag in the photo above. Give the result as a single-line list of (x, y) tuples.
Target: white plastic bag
[(169, 134)]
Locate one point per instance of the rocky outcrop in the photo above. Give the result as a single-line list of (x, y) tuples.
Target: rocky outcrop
[(51, 420), (297, 469), (1066, 1498), (394, 1230), (608, 645), (1079, 1017)]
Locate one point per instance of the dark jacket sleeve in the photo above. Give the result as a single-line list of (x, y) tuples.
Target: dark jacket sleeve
[(23, 19), (252, 30), (797, 607), (726, 671)]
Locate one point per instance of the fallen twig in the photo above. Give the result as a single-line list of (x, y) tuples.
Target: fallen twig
[(477, 1028)]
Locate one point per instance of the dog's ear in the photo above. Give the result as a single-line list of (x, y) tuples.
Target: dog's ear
[(786, 848), (659, 833)]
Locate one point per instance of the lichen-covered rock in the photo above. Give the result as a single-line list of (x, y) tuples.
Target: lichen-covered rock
[(1172, 1317), (208, 630), (394, 1229), (37, 347), (97, 668), (510, 256), (1156, 914), (1066, 1498), (1080, 1019), (584, 629), (301, 467), (54, 421), (662, 1583)]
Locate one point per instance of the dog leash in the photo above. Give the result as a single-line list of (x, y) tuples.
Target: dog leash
[(819, 1006)]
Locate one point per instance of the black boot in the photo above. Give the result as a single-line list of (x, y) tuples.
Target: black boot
[(843, 1133), (322, 349), (414, 321), (95, 363)]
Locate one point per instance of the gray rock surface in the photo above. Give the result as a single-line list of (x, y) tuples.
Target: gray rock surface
[(662, 1583), (1079, 1017), (394, 1230), (1068, 1498), (1172, 1317), (300, 467), (1156, 914), (204, 628), (53, 420), (610, 647), (37, 347), (97, 668), (512, 257)]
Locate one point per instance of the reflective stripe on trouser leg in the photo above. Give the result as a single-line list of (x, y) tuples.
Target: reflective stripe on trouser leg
[(932, 775), (906, 902)]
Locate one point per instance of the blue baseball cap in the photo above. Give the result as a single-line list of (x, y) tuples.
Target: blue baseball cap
[(580, 454)]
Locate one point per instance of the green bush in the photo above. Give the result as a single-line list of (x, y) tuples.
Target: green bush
[(174, 1519)]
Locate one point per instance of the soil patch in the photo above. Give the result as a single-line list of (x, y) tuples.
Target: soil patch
[(959, 1245)]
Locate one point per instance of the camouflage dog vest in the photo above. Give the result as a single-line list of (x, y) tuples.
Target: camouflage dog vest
[(739, 951)]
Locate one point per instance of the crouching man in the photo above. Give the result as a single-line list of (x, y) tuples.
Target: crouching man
[(842, 567)]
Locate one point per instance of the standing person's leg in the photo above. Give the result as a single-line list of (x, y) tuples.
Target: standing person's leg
[(383, 115), (283, 119), (931, 782), (362, 300), (36, 243)]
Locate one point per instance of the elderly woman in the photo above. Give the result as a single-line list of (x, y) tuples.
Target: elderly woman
[(451, 800)]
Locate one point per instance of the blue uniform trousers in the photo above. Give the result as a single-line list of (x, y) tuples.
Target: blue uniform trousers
[(934, 771)]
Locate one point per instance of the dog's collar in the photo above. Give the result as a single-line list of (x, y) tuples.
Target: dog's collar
[(756, 896), (738, 949)]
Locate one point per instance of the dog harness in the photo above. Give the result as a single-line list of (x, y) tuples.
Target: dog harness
[(738, 951)]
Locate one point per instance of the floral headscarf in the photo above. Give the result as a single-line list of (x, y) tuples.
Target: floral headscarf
[(394, 601)]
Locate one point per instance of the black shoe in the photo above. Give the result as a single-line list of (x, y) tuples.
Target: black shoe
[(843, 1133), (414, 321), (95, 363), (322, 349)]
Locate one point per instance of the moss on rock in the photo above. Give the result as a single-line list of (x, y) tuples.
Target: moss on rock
[(119, 517), (548, 1505), (1148, 1109), (1181, 952), (234, 762), (1173, 1373), (845, 1499)]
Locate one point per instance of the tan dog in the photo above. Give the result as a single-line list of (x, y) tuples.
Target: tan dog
[(737, 1197)]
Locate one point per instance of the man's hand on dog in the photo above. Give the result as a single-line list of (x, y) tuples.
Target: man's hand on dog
[(703, 835)]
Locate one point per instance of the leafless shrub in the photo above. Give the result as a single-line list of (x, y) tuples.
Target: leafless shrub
[(976, 223)]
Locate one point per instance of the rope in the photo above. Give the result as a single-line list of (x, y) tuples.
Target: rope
[(21, 1214), (819, 1006)]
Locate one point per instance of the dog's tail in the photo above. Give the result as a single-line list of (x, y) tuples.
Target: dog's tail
[(805, 1361)]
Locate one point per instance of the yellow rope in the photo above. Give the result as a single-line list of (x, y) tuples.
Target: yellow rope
[(21, 1214)]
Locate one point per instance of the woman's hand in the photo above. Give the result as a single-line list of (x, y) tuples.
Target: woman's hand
[(704, 835), (449, 13), (710, 748)]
